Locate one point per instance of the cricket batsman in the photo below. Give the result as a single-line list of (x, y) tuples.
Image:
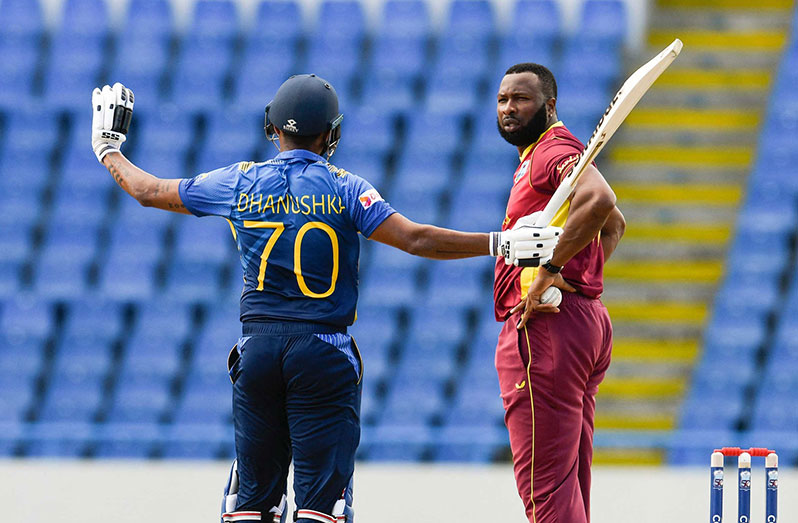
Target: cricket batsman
[(550, 365), (295, 219)]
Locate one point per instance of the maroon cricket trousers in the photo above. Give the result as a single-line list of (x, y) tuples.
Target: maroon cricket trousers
[(549, 374)]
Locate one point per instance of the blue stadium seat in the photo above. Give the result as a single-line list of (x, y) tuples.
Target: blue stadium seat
[(74, 203), (207, 398), (422, 173), (217, 337), (468, 215), (374, 331), (20, 58), (237, 133), (337, 60), (141, 60), (61, 279), (391, 91), (125, 277), (21, 18), (153, 352), (16, 396), (170, 321), (340, 19), (775, 410), (131, 216), (268, 60), (26, 129), (206, 240), (366, 130), (9, 275), (214, 19), (398, 55), (458, 284), (196, 441), (413, 406), (21, 354), (520, 48), (430, 134), (16, 237), (399, 289), (590, 64), (370, 403), (27, 316), (67, 439), (537, 20), (471, 17), (72, 397), (75, 65), (463, 54), (166, 129), (419, 206), (368, 164), (202, 69), (140, 398), (470, 444), (193, 281), (279, 19), (79, 169), (712, 410), (405, 18), (139, 243), (435, 332), (149, 19), (451, 95), (84, 354), (397, 442), (94, 317), (604, 20), (386, 259), (85, 17), (126, 440)]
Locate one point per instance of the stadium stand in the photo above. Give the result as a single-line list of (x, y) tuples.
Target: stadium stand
[(115, 321)]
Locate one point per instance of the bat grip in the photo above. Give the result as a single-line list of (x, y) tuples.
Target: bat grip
[(529, 262)]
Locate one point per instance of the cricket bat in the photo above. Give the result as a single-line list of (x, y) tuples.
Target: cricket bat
[(621, 105)]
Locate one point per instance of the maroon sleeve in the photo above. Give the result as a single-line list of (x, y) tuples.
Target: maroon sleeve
[(557, 157)]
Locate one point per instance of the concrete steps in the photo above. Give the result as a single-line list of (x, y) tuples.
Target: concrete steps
[(679, 167)]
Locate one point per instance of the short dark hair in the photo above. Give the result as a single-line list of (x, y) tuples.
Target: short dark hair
[(547, 82)]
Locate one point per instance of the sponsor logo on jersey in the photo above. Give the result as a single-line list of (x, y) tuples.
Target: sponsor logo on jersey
[(369, 198), (520, 172), (566, 164)]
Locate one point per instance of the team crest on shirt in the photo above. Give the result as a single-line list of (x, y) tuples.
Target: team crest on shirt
[(520, 172), (200, 177), (369, 198)]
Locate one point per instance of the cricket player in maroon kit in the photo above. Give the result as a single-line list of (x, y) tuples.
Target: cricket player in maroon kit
[(550, 359)]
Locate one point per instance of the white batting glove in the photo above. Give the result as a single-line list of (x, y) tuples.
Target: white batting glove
[(525, 245), (112, 112)]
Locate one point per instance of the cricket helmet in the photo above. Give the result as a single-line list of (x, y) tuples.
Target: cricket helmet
[(305, 105)]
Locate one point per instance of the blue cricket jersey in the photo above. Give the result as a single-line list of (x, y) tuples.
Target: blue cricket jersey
[(295, 220)]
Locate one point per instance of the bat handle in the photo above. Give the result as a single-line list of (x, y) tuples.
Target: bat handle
[(529, 262)]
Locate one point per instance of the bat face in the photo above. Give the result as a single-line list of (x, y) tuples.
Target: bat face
[(619, 108)]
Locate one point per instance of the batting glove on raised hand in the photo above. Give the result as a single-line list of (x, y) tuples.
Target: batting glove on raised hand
[(525, 245), (112, 112)]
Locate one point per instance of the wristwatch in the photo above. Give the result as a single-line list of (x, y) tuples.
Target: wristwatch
[(554, 269)]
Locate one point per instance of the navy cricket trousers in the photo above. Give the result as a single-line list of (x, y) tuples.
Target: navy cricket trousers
[(296, 392)]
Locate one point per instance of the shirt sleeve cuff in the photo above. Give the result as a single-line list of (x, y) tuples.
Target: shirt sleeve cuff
[(376, 223), (182, 187)]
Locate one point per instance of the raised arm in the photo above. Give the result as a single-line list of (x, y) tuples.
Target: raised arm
[(148, 190), (112, 111)]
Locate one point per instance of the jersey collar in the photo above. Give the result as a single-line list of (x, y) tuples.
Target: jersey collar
[(300, 153), (532, 146)]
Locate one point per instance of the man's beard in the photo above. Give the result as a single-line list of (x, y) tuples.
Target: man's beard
[(528, 134)]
